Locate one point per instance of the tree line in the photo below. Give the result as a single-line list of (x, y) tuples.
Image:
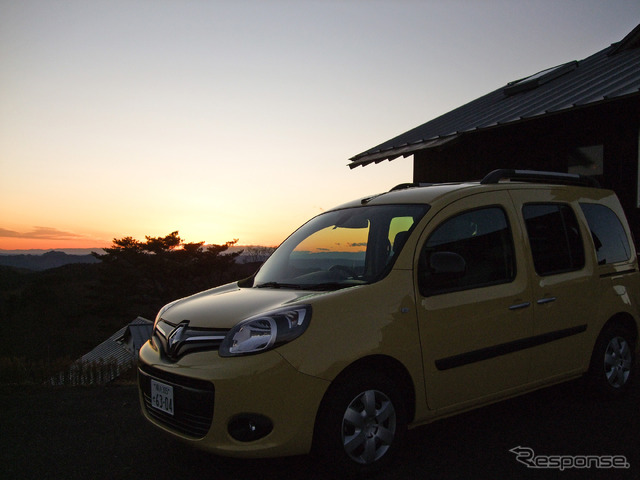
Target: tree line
[(64, 312), (160, 269)]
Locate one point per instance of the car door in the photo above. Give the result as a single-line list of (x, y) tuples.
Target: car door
[(564, 285), (472, 319)]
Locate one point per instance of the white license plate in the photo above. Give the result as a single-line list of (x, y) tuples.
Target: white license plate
[(162, 397)]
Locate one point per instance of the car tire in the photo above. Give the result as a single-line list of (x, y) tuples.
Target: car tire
[(612, 363), (361, 423)]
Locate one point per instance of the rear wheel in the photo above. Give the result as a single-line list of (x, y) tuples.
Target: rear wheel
[(612, 363), (361, 423)]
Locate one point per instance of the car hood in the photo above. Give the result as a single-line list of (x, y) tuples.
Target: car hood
[(225, 306)]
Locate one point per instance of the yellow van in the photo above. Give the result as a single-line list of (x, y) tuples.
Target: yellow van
[(398, 309)]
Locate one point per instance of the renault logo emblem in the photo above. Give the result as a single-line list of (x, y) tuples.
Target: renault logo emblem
[(176, 339)]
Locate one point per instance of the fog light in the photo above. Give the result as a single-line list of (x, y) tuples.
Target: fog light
[(249, 427)]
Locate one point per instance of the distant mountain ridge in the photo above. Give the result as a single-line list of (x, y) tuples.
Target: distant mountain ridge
[(38, 260), (41, 251), (43, 261)]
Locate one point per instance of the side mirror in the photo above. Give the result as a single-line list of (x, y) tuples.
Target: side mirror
[(447, 263), (440, 272)]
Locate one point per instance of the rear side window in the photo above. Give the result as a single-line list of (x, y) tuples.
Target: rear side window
[(482, 239), (554, 236), (609, 236)]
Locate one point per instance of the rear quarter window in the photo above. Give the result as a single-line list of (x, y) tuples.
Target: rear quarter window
[(609, 236)]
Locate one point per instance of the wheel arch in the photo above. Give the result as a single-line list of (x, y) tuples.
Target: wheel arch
[(624, 320), (393, 369)]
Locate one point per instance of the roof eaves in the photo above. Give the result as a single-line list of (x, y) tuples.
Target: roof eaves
[(393, 153)]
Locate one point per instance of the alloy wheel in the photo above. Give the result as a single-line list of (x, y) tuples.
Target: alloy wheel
[(368, 426), (617, 362)]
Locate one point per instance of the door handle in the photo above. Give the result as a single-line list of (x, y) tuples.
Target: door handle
[(542, 301), (519, 306)]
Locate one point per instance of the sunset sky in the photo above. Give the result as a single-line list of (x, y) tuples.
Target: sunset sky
[(236, 119)]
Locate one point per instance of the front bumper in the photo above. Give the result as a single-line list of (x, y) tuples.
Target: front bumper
[(210, 392)]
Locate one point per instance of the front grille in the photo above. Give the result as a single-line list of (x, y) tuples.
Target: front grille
[(193, 401), (177, 340)]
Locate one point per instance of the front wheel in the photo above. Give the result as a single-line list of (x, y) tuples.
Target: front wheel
[(612, 363), (361, 423)]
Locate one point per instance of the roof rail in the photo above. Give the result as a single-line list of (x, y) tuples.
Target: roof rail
[(540, 177), (404, 186)]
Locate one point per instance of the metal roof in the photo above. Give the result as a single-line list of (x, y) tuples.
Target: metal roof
[(612, 73), (137, 334), (111, 350), (109, 359)]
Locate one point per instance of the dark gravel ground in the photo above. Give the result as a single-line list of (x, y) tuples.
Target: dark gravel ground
[(99, 433)]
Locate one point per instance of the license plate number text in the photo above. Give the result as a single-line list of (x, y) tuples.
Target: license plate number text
[(162, 397)]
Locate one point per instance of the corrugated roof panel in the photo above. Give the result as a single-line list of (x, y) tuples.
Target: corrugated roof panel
[(611, 73), (110, 350)]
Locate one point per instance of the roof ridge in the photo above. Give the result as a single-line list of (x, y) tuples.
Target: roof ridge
[(632, 40)]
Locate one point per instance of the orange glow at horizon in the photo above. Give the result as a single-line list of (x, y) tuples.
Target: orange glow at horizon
[(17, 242), (48, 244)]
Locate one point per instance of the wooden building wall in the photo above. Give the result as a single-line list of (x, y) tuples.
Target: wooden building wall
[(549, 143)]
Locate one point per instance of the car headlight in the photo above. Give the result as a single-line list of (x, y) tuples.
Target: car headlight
[(266, 331)]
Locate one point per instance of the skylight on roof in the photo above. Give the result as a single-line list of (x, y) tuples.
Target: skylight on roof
[(540, 78)]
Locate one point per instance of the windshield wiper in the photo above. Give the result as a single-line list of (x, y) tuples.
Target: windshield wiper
[(294, 286), (279, 285)]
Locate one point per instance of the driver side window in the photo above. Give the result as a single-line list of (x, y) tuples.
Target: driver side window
[(470, 250)]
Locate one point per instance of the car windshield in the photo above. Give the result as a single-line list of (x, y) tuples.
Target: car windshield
[(341, 248)]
